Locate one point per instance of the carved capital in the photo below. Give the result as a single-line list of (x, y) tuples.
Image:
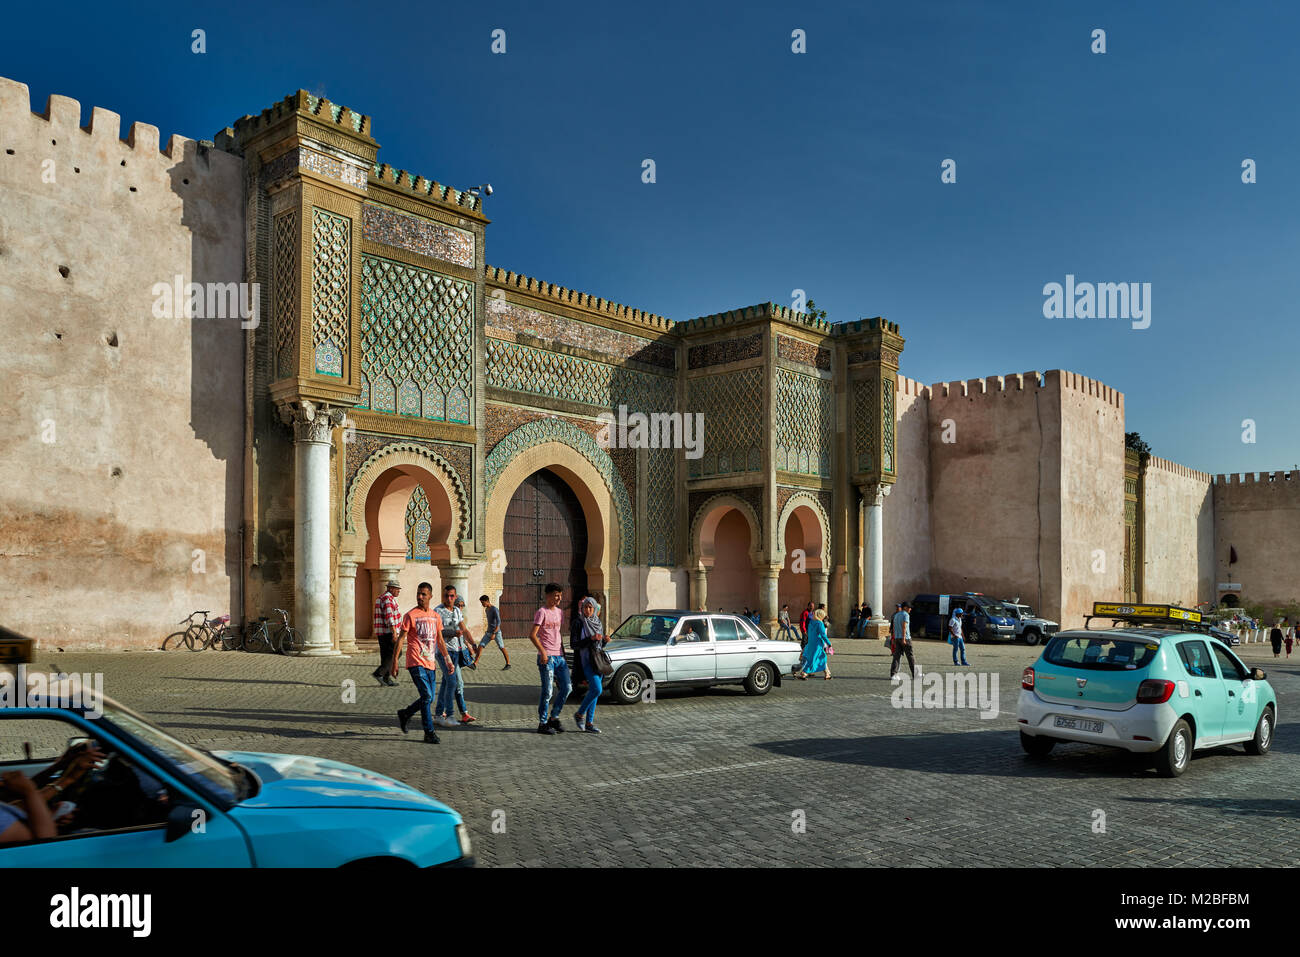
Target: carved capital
[(311, 422), (874, 494)]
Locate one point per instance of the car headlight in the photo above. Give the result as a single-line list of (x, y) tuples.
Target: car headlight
[(462, 836)]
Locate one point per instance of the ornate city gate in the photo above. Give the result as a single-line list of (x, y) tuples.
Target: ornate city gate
[(545, 538)]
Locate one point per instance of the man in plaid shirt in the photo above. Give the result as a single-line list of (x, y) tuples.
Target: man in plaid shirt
[(386, 620)]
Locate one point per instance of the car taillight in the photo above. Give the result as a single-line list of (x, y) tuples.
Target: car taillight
[(1027, 679), (1155, 691)]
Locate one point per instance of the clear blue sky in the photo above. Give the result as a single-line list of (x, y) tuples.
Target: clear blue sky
[(818, 171)]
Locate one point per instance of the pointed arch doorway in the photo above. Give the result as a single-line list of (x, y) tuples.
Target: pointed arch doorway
[(545, 539)]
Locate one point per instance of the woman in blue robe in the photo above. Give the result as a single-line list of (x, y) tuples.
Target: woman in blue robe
[(814, 652)]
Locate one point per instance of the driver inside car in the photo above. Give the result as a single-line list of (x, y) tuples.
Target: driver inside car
[(25, 803), (90, 790)]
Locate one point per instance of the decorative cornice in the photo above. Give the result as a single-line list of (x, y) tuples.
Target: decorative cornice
[(300, 103), (425, 188), (546, 290)]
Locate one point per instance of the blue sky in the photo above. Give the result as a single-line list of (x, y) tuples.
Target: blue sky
[(819, 171)]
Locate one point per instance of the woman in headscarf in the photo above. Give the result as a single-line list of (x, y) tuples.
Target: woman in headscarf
[(588, 633), (814, 652)]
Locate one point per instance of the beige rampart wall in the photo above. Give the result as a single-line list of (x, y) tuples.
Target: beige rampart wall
[(995, 498), (1092, 494), (1178, 534), (123, 448), (908, 534), (1259, 516)]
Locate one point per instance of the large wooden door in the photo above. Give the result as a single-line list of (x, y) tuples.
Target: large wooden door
[(545, 537)]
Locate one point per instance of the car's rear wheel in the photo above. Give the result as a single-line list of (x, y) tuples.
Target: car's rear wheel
[(1036, 746), (1263, 739), (628, 683), (759, 681), (1173, 758)]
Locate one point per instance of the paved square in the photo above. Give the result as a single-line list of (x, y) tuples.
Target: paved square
[(719, 778)]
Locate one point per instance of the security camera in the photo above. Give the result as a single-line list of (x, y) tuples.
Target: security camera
[(487, 189)]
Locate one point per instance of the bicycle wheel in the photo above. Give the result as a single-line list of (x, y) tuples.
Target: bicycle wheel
[(206, 637), (291, 641), (257, 639), (231, 639), (177, 640)]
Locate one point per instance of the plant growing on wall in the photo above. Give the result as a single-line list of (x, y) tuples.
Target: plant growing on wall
[(1132, 440)]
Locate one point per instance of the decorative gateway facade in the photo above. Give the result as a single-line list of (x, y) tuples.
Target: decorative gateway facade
[(417, 414)]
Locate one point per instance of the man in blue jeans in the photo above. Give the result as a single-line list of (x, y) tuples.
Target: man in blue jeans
[(955, 639), (551, 667), (422, 630)]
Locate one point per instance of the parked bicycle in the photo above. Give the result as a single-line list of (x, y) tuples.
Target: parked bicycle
[(202, 635), (285, 639)]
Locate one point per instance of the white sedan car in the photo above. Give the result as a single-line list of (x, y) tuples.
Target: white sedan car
[(679, 648)]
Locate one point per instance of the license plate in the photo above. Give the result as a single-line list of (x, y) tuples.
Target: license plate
[(1079, 724)]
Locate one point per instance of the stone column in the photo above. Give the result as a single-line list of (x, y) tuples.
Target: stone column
[(347, 610), (820, 579), (312, 427), (874, 495), (456, 575), (860, 586), (767, 596), (699, 589), (379, 579)]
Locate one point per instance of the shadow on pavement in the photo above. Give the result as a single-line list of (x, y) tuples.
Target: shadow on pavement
[(1252, 807), (990, 753)]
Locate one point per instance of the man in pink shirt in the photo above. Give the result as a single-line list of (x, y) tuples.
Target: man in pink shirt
[(545, 636)]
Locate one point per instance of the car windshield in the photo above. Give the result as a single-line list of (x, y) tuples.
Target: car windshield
[(1100, 652), (207, 772), (995, 609), (648, 628)]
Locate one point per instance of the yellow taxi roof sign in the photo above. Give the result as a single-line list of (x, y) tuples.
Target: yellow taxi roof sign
[(16, 651), (1150, 613)]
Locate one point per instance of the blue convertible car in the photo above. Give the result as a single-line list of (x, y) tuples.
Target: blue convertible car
[(149, 800)]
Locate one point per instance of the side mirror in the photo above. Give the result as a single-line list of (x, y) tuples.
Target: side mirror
[(77, 739), (1258, 674), (180, 821)]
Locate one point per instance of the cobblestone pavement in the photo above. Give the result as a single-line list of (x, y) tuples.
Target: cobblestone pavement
[(719, 778)]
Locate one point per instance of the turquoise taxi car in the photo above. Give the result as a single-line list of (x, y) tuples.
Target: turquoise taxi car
[(151, 800), (1157, 682)]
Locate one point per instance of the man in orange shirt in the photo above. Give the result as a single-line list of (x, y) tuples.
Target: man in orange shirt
[(422, 629)]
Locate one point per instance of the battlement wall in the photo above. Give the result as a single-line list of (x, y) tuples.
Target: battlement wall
[(107, 377), (908, 532), (1177, 534), (1156, 464), (1257, 517)]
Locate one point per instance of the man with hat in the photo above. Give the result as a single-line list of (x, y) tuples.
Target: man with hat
[(955, 639), (901, 638), (386, 620)]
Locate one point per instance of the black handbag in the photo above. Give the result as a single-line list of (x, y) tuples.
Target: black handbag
[(601, 661)]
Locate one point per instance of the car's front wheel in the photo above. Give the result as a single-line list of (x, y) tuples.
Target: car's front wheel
[(760, 679), (1173, 758), (1035, 745), (1263, 739), (628, 683), (1031, 638)]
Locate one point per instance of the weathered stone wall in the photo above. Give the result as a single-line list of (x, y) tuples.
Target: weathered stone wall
[(1259, 516), (1091, 483), (995, 513), (124, 448), (908, 536), (1177, 534)]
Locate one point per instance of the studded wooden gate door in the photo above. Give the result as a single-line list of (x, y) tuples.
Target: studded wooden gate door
[(545, 537)]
